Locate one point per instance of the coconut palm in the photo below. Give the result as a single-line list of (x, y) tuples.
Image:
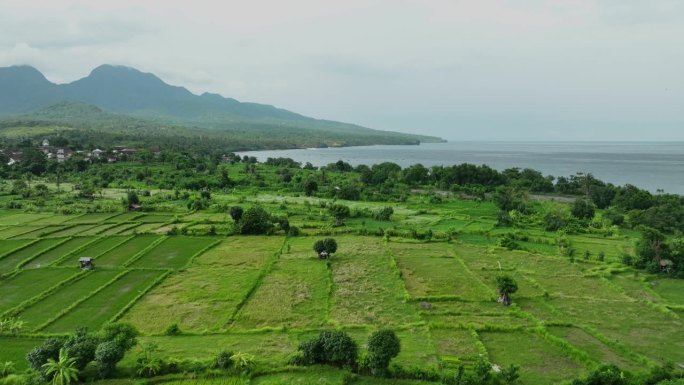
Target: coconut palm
[(63, 371), (505, 286)]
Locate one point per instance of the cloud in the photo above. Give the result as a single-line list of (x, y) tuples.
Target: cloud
[(488, 69)]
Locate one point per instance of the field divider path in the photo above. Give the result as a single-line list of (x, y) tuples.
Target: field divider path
[(16, 236), (617, 346), (142, 293), (57, 261), (41, 252), (474, 277), (197, 254), (144, 251), (397, 271), (126, 239), (124, 226), (268, 267), (56, 229), (23, 305), (577, 354), (18, 248), (78, 302)]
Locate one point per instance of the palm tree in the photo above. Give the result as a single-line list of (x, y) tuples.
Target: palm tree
[(63, 371), (506, 286)]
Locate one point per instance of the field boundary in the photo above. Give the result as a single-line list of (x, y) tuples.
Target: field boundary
[(24, 304), (126, 239), (78, 302), (257, 283), (29, 243), (144, 292), (59, 260), (144, 251), (36, 255), (200, 252)]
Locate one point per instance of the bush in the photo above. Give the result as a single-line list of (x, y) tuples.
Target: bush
[(383, 345), (222, 360), (508, 241), (383, 214), (173, 330), (236, 213)]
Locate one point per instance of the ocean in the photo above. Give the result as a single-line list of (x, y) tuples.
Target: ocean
[(655, 166)]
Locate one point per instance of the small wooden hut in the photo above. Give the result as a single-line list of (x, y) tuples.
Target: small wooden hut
[(86, 263)]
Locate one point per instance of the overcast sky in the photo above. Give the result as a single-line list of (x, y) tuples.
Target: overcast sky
[(476, 69)]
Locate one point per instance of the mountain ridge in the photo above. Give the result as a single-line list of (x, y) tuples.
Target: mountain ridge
[(127, 97)]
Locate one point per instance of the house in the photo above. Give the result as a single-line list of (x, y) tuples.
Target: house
[(96, 153), (86, 263), (46, 143)]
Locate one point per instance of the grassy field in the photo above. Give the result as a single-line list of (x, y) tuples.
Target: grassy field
[(266, 294)]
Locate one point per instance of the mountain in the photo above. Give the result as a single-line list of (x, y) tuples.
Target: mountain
[(127, 91)]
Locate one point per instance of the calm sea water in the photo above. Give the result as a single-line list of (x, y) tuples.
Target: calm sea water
[(649, 165)]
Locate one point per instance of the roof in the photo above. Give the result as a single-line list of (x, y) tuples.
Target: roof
[(85, 259)]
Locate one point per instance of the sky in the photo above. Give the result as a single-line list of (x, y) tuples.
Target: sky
[(545, 70)]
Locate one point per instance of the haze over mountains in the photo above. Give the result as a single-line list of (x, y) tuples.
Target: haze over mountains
[(25, 93)]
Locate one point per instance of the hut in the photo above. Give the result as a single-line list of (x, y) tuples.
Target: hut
[(86, 263)]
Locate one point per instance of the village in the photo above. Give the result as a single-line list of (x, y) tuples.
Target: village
[(64, 153)]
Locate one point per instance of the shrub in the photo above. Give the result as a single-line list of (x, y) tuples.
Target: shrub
[(508, 241), (222, 360), (243, 362), (173, 330), (6, 368), (383, 345), (383, 214), (236, 213)]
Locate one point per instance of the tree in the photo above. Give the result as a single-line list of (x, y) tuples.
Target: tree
[(81, 347), (115, 340), (339, 212), (124, 334), (132, 198), (310, 187), (383, 345), (255, 221), (63, 370), (236, 213), (335, 348), (651, 248), (509, 198), (107, 355), (506, 286), (583, 209), (383, 214), (42, 353), (325, 247)]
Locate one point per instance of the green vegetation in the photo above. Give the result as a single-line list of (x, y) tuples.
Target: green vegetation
[(218, 268)]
